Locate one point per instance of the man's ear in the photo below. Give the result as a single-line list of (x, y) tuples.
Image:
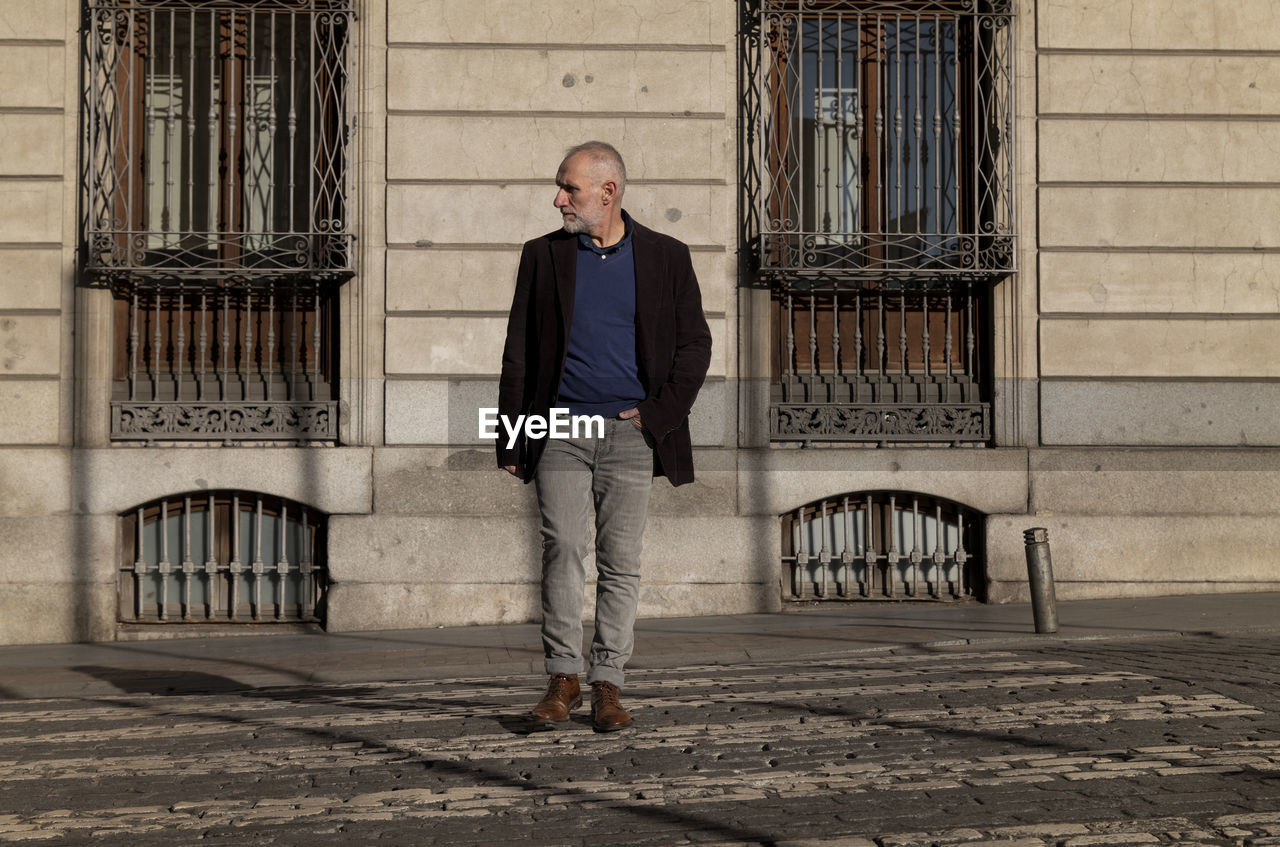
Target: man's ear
[(608, 191)]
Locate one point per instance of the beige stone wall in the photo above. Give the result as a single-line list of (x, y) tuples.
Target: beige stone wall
[(471, 163), (1135, 556), (1158, 233), (481, 101), (1143, 315), (51, 587), (38, 73), (1156, 269), (1143, 522)]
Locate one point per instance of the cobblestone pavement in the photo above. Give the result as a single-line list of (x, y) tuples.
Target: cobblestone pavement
[(1065, 743)]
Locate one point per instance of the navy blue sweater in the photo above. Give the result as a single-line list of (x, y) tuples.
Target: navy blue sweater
[(601, 376)]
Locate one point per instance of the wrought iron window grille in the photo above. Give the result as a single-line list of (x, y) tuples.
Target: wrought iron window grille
[(217, 139), (206, 362), (217, 177), (222, 557), (878, 207), (881, 364), (878, 138), (882, 545)]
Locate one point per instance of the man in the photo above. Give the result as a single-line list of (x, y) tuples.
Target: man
[(607, 320)]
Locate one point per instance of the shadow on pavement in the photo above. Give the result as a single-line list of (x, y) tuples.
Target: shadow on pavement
[(163, 683), (468, 773)]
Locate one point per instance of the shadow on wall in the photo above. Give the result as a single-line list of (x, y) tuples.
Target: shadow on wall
[(85, 620)]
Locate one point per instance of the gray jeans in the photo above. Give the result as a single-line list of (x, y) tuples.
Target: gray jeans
[(616, 474)]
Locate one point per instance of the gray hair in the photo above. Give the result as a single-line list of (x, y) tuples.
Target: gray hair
[(605, 160)]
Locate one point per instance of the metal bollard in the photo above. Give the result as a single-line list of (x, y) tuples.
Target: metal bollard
[(1044, 606)]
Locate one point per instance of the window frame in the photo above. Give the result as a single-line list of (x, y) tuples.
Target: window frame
[(123, 42), (776, 240), (907, 368), (267, 256), (185, 560)]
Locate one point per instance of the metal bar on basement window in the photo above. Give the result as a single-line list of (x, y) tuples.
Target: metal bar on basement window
[(211, 565), (824, 553), (258, 567), (885, 519), (216, 591), (236, 566), (188, 565), (282, 564), (892, 556), (139, 567), (916, 555), (164, 567)]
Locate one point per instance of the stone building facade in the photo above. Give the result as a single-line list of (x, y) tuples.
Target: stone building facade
[(1109, 337)]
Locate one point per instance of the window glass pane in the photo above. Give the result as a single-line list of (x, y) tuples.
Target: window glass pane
[(920, 75), (227, 104), (219, 137), (878, 104), (831, 110)]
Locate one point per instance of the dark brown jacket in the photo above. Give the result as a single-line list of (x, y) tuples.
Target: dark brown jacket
[(673, 344)]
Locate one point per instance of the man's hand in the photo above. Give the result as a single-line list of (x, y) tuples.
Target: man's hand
[(632, 415)]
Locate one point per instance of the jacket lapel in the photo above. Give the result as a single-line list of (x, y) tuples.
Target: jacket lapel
[(564, 259), (647, 262)]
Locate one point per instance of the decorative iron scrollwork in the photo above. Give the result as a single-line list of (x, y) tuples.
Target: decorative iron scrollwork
[(312, 421), (878, 137), (182, 179), (880, 422)]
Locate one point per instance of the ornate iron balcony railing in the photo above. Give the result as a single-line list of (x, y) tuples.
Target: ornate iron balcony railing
[(218, 139), (880, 364), (221, 362), (878, 138)]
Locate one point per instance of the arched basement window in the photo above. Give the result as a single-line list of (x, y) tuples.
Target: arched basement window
[(221, 557), (882, 545)]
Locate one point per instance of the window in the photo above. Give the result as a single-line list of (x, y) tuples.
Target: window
[(217, 171), (878, 165), (882, 545), (219, 557)]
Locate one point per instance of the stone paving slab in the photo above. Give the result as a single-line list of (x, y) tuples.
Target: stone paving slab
[(1063, 743)]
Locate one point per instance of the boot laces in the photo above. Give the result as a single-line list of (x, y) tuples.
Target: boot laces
[(559, 683), (607, 694)]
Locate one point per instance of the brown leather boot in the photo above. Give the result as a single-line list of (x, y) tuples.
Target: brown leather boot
[(562, 697), (607, 714)]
